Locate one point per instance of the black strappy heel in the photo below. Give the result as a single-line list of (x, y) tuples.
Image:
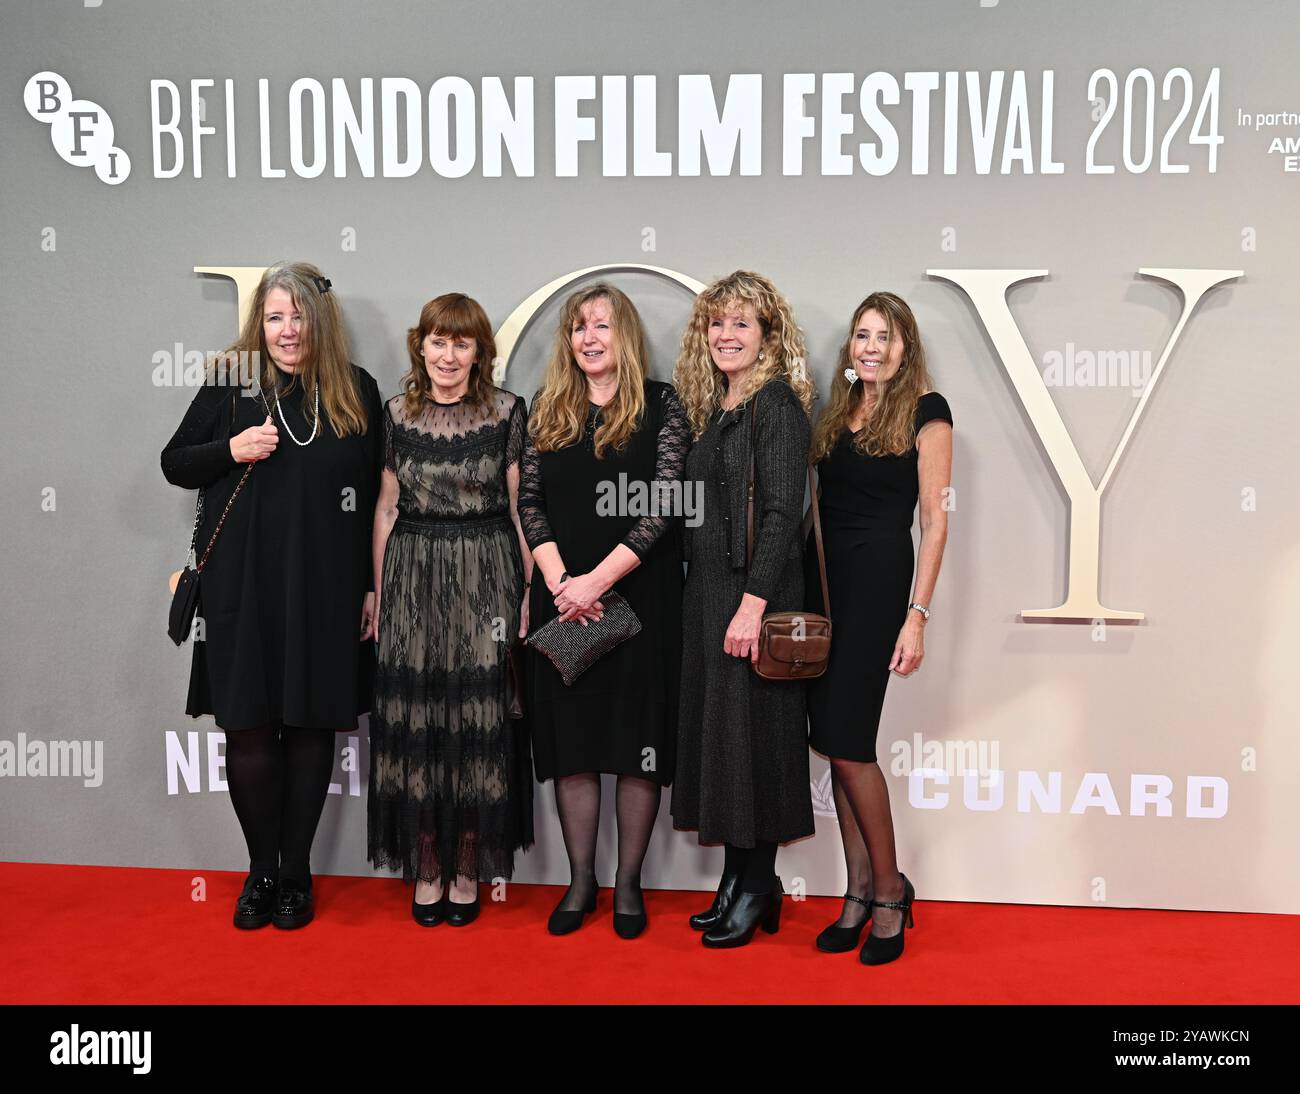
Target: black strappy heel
[(842, 939), (880, 951)]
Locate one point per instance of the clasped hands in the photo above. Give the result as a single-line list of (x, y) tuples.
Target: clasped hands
[(578, 598)]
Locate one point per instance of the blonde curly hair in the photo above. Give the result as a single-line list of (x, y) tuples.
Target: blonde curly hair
[(701, 384)]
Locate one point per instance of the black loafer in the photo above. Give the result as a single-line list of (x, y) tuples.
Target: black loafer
[(256, 903), (294, 907), (461, 915), (429, 915)]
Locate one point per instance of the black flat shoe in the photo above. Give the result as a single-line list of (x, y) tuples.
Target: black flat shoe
[(562, 922), (429, 915), (461, 915), (842, 939), (747, 913), (256, 903), (294, 906), (631, 924), (728, 887), (881, 951)]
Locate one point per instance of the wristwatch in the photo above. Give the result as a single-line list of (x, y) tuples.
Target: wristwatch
[(925, 612)]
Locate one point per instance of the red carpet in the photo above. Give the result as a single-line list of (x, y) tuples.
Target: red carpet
[(89, 934)]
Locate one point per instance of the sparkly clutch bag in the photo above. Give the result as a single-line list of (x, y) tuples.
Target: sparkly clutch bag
[(573, 648)]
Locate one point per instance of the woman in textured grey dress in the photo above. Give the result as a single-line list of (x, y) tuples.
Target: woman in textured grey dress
[(742, 753)]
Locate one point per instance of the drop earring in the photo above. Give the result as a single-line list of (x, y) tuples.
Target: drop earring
[(851, 375)]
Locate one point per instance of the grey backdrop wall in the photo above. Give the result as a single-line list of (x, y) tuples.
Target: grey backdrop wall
[(1199, 526)]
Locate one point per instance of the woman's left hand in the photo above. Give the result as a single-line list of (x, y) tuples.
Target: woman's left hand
[(369, 623), (577, 594), (741, 639), (909, 650)]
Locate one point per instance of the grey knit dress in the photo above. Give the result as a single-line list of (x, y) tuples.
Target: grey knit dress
[(742, 746)]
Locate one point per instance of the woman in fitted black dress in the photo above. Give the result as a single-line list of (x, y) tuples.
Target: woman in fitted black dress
[(883, 442)]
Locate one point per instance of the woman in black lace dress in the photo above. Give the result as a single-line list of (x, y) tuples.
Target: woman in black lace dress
[(450, 796), (601, 436)]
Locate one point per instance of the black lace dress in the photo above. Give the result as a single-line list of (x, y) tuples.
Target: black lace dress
[(450, 780), (620, 716)]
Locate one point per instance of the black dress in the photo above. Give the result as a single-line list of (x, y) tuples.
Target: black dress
[(867, 504), (620, 716), (282, 593), (742, 766), (450, 786)]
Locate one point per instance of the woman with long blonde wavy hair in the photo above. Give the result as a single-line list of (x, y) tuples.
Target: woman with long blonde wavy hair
[(742, 756), (286, 599), (601, 438), (883, 443)]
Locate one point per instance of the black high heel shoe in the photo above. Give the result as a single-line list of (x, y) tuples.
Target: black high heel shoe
[(630, 924), (562, 922), (747, 913), (880, 951), (461, 915), (429, 915), (728, 887), (842, 939)]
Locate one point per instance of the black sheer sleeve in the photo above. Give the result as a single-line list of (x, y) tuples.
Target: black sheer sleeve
[(389, 452), (673, 442), (532, 499), (198, 455), (517, 431)]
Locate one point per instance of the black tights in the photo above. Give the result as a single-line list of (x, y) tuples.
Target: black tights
[(756, 865), (278, 778), (637, 804)]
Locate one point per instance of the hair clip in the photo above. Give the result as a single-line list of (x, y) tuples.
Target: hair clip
[(322, 284), (851, 375)]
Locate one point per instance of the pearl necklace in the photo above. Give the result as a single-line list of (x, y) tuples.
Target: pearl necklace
[(315, 425)]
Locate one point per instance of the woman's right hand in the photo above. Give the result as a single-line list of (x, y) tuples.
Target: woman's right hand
[(255, 443)]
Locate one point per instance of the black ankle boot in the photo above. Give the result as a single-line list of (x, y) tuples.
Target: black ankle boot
[(842, 939), (748, 912), (880, 951), (562, 922), (256, 903), (728, 887)]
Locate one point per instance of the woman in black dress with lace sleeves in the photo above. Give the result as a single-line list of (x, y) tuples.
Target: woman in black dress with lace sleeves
[(600, 437)]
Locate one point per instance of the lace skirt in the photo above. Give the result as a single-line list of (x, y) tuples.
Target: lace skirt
[(450, 780)]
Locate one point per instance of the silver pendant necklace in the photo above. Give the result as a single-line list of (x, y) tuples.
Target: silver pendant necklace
[(315, 424)]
